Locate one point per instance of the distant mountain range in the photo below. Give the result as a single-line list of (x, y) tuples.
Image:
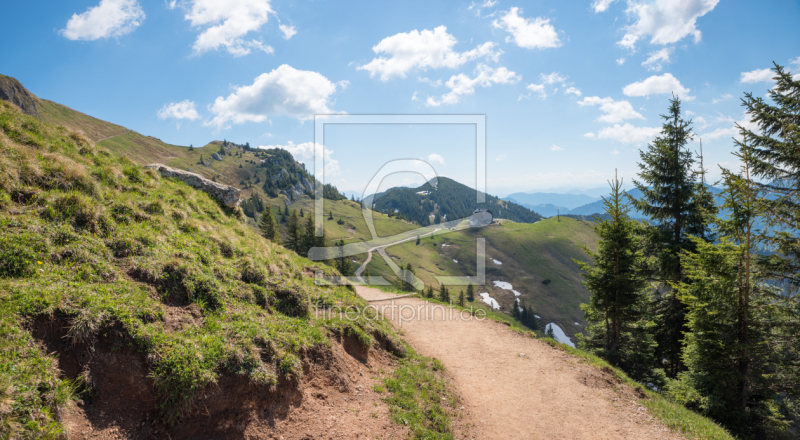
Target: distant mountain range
[(450, 200), (551, 204)]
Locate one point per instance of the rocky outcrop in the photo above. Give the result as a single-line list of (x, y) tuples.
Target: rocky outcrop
[(227, 195), (12, 91), (216, 156)]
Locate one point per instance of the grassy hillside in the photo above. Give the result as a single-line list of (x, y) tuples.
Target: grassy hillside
[(536, 259), (103, 261), (531, 252)]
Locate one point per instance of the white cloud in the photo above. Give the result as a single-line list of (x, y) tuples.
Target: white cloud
[(111, 18), (731, 130), (615, 111), (556, 148), (179, 110), (590, 135), (305, 153), (757, 76), (656, 85), (620, 61), (486, 4), (553, 78), (534, 88), (700, 121), (430, 82), (414, 96), (601, 5), (500, 157), (288, 31), (224, 24), (657, 59), (285, 91), (422, 50), (462, 84), (435, 158), (572, 91), (527, 33), (629, 134), (724, 97), (795, 62), (665, 21)]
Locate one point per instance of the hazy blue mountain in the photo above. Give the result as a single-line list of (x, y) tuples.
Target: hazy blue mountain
[(568, 201)]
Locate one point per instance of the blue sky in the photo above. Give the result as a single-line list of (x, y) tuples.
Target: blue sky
[(570, 90)]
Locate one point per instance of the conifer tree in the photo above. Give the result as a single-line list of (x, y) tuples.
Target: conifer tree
[(470, 293), (309, 237), (407, 286), (618, 330), (444, 295), (461, 299), (729, 354), (530, 319), (429, 293), (294, 233), (302, 214), (343, 263), (669, 188), (268, 226)]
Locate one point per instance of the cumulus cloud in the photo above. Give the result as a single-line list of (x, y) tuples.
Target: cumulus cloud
[(572, 91), (305, 153), (615, 111), (224, 24), (657, 59), (526, 33), (430, 82), (665, 21), (435, 158), (731, 130), (111, 18), (553, 78), (620, 61), (629, 134), (422, 50), (179, 110), (656, 85), (534, 88), (601, 5), (288, 31), (556, 148), (590, 135), (461, 84), (757, 76), (286, 91)]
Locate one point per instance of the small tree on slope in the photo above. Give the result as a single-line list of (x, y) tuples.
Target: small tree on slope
[(617, 328), (268, 225)]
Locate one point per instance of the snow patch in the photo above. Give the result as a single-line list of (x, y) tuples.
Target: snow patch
[(559, 334), (506, 286), (489, 300), (496, 262), (537, 316), (445, 245), (455, 261), (577, 323)]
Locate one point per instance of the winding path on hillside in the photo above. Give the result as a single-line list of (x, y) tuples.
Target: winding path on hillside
[(516, 387)]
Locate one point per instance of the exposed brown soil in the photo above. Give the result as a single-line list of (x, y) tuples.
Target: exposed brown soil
[(517, 387), (333, 400)]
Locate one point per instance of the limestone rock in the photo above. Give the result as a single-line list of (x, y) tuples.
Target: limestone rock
[(216, 156), (227, 195), (12, 91)]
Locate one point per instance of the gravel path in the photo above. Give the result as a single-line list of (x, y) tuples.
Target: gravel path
[(516, 387)]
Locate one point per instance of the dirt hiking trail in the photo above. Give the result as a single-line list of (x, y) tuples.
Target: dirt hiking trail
[(516, 387)]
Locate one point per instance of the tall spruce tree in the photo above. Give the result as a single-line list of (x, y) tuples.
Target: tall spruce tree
[(728, 351), (444, 295), (776, 174), (470, 293), (669, 187), (268, 225), (294, 233), (618, 329)]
